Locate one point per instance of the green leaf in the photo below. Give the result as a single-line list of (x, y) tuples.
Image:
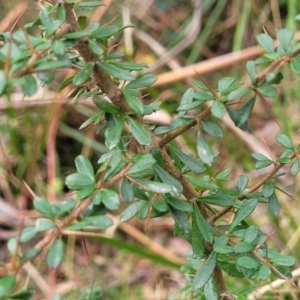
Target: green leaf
[(84, 166), (3, 82), (165, 177), (205, 228), (7, 282), (65, 83), (285, 37), (89, 4), (268, 189), (66, 207), (295, 66), (46, 65), (211, 291), (220, 199), (246, 209), (180, 121), (201, 85), (266, 42), (224, 250), (295, 167), (233, 87), (144, 211), (205, 152), (242, 247), (182, 223), (107, 107), (197, 240), (85, 192), (83, 75), (27, 234), (183, 108), (82, 22), (78, 181), (131, 210), (101, 222), (59, 47), (115, 71), (114, 135), (218, 109), (212, 128), (203, 97), (221, 241), (160, 205), (110, 199), (206, 271), (104, 33), (56, 253), (259, 156), (97, 199), (251, 233), (201, 183), (143, 81), (179, 203), (264, 272), (129, 65), (131, 98), (223, 175), (154, 186), (285, 141), (98, 50), (139, 132), (43, 206), (268, 91), (61, 11), (247, 262), (44, 225), (77, 34), (161, 130), (238, 93), (192, 163), (272, 78), (284, 271), (251, 68), (93, 119), (230, 269), (274, 204), (142, 161), (127, 191), (285, 260), (29, 85), (240, 117), (243, 181), (284, 160), (187, 98), (46, 20), (30, 253), (263, 163), (225, 83)]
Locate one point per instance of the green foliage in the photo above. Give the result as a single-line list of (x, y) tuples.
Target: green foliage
[(158, 178)]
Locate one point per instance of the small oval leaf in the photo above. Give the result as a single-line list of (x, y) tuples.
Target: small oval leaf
[(56, 253), (206, 271)]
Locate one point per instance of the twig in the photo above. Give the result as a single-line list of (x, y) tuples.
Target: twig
[(51, 151)]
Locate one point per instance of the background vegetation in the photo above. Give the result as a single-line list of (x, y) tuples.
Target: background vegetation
[(143, 259)]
